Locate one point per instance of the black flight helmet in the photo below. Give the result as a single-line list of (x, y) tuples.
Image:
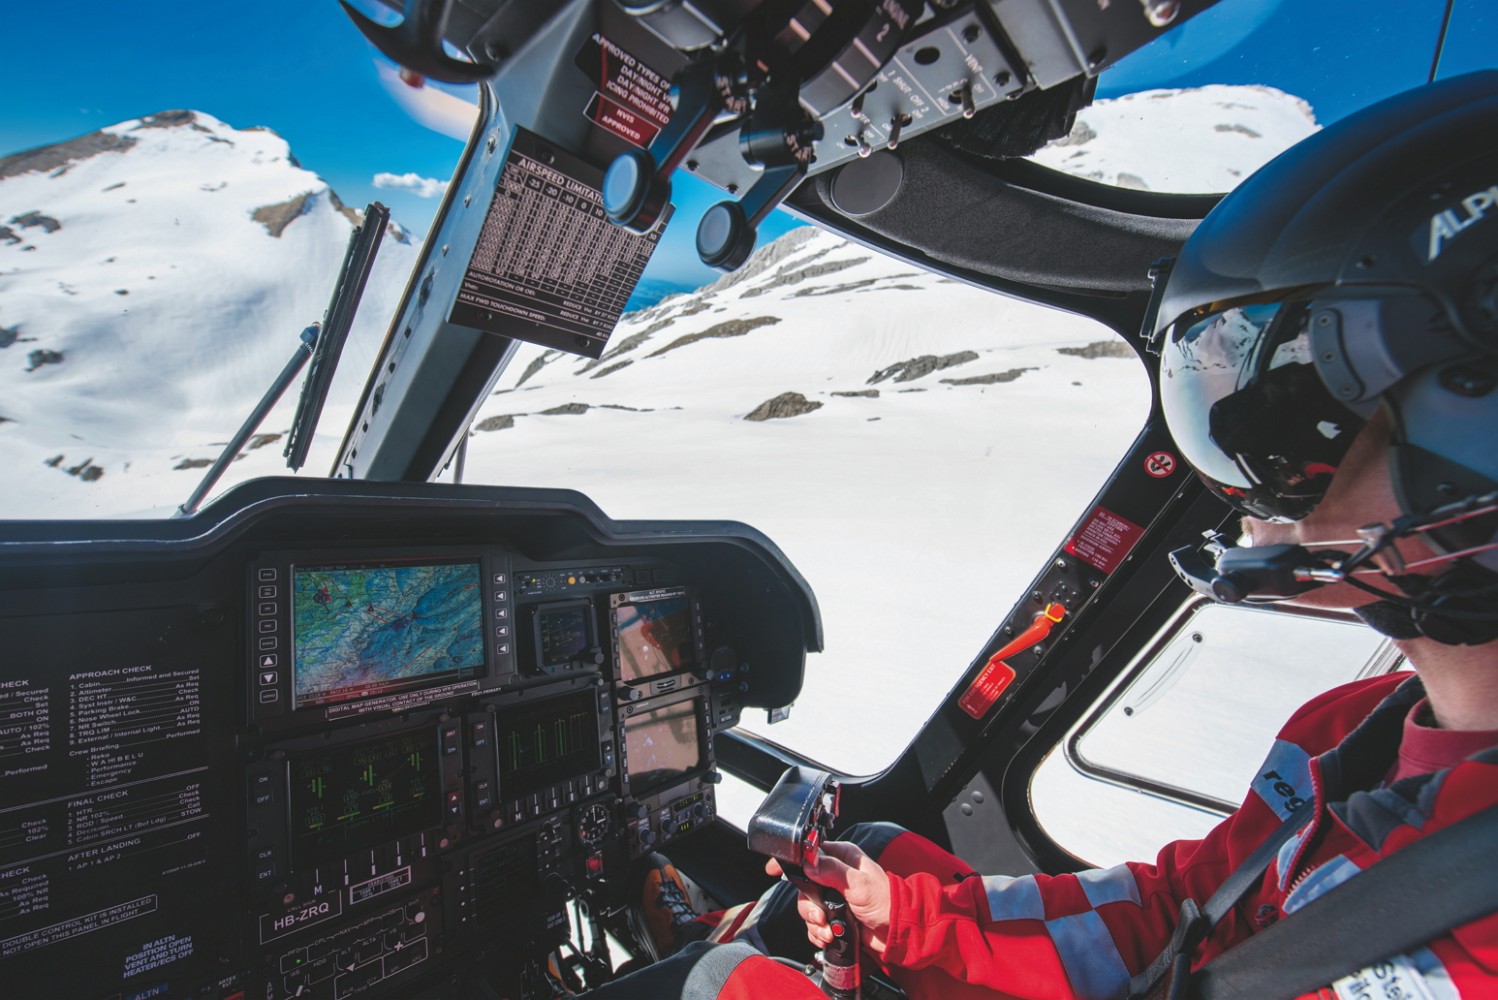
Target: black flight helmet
[(1358, 269)]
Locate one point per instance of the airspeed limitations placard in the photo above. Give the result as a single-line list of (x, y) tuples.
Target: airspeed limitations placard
[(549, 267)]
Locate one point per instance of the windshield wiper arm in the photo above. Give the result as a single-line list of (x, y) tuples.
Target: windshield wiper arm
[(293, 367), (358, 261)]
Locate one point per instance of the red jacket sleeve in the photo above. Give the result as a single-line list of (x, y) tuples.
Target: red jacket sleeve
[(1085, 935)]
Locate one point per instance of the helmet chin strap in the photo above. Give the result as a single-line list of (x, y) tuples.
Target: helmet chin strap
[(1456, 608)]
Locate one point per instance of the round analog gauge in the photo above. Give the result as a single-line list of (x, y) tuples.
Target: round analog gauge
[(594, 823)]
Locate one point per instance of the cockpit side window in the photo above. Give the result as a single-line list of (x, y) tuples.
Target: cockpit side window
[(1172, 746)]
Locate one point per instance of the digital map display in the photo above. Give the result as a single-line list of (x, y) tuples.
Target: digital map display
[(369, 630)]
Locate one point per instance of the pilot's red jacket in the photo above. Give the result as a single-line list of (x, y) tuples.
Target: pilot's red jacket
[(1084, 935), (957, 935)]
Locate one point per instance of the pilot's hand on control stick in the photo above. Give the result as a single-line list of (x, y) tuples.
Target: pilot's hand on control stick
[(844, 867)]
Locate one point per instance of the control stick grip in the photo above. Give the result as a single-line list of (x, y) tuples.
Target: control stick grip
[(842, 977)]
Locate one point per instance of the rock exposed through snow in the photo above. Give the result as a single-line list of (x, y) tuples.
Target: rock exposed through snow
[(787, 404), (909, 371)]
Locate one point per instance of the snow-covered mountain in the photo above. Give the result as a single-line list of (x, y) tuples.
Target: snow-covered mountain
[(154, 277), (1196, 141)]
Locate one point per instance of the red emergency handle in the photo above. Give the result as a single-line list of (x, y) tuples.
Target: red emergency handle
[(1037, 631)]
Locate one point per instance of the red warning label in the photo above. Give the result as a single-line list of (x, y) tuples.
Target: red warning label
[(986, 688), (633, 101), (621, 121), (1105, 539)]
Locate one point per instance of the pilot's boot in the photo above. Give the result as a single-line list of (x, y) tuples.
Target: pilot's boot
[(664, 918)]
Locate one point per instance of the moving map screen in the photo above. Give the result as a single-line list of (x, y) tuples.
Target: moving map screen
[(655, 637), (662, 745), (364, 631), (352, 798)]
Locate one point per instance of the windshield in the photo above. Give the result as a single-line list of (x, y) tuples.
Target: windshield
[(916, 446)]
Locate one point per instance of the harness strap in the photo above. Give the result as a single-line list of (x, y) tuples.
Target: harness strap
[(1421, 891), (1196, 923)]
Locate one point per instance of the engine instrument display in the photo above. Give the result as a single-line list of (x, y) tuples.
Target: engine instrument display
[(353, 797), (654, 635), (662, 744), (547, 742), (369, 630)]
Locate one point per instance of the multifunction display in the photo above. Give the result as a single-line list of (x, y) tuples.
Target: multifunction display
[(563, 632), (662, 745), (653, 634), (350, 798), (365, 631)]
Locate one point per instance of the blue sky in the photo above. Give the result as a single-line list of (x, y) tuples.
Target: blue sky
[(300, 68)]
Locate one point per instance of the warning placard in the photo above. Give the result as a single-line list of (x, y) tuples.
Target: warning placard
[(633, 101), (1105, 539), (986, 688)]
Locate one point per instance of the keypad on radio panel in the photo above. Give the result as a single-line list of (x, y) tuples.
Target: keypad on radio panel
[(355, 958)]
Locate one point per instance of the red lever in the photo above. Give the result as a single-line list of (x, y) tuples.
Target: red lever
[(996, 675), (1037, 631)]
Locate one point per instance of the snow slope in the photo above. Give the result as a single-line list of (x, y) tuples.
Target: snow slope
[(905, 491), (149, 293)]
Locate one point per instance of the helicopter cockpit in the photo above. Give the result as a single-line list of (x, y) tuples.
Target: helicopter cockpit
[(382, 735)]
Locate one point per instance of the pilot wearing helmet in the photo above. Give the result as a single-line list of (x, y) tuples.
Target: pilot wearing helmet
[(1329, 366)]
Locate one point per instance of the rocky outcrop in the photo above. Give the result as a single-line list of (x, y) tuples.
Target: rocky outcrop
[(175, 118), (807, 272), (36, 359), (503, 422), (61, 155), (787, 404), (992, 379), (85, 470), (34, 218), (1099, 349), (762, 260), (728, 328), (275, 218), (909, 371), (535, 366)]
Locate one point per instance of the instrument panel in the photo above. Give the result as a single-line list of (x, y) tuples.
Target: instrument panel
[(349, 740)]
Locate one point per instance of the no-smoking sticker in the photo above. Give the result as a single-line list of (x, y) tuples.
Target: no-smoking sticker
[(1160, 464)]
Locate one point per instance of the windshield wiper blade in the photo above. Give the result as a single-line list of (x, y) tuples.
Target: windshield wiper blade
[(358, 261)]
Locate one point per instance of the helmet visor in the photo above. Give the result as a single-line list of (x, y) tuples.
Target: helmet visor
[(1242, 398)]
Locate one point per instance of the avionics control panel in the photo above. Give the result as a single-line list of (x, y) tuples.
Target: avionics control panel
[(338, 751), (442, 733)]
